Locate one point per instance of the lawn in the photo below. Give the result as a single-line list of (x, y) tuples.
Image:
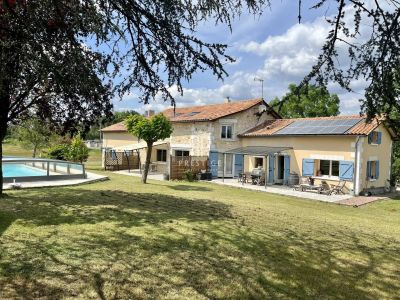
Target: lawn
[(120, 239)]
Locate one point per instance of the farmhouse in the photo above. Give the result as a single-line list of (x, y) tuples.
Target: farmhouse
[(237, 137)]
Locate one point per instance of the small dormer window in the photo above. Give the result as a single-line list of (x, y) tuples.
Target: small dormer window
[(226, 131)]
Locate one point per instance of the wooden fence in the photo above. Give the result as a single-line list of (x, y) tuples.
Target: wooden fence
[(180, 164), (121, 160)]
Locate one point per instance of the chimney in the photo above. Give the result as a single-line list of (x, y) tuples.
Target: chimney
[(149, 113), (227, 100)]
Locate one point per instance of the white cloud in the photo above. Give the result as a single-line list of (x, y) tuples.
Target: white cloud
[(284, 59)]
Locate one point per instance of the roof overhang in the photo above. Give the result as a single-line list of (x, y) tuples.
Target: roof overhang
[(139, 146), (257, 150)]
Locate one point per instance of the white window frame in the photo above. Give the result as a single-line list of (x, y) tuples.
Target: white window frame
[(330, 176), (226, 131)]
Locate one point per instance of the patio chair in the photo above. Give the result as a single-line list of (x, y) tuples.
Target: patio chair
[(302, 180), (338, 189), (324, 188)]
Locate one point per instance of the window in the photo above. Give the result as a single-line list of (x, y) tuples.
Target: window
[(193, 113), (226, 132), (329, 168), (374, 138), (161, 155), (335, 168), (181, 153), (258, 161), (372, 170)]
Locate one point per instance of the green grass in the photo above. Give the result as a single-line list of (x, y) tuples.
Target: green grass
[(13, 148), (120, 239)]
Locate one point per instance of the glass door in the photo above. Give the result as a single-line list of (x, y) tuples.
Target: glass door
[(229, 163)]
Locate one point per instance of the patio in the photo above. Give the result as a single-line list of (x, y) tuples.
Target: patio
[(282, 190)]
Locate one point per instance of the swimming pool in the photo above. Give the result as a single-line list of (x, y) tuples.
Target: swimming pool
[(19, 170), (22, 169)]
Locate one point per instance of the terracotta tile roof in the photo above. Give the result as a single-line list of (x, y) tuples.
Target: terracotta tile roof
[(118, 127), (270, 127), (200, 113), (209, 112), (363, 128)]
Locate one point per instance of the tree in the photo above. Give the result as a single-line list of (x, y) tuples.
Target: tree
[(93, 132), (396, 163), (309, 101), (373, 52), (57, 58), (152, 129), (33, 134), (120, 116)]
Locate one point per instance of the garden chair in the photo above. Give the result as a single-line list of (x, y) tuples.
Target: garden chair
[(338, 189), (324, 188), (302, 180)]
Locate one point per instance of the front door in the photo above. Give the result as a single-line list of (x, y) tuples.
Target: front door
[(228, 164), (280, 169)]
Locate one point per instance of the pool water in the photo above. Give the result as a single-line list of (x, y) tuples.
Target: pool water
[(19, 170)]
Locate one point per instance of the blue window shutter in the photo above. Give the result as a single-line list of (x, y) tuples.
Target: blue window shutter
[(346, 170), (213, 163), (370, 138), (239, 158), (379, 141), (377, 169), (286, 169), (271, 168), (368, 169), (308, 167)]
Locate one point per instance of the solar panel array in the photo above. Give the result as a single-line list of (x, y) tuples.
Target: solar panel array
[(305, 127)]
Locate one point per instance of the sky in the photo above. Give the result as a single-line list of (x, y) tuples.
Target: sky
[(273, 47)]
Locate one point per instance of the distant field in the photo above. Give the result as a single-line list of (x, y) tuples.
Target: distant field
[(13, 148)]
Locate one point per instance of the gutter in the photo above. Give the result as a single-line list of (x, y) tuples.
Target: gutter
[(357, 165)]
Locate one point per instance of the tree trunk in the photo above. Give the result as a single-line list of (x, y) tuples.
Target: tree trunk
[(147, 162), (1, 167), (34, 151), (3, 130), (4, 107)]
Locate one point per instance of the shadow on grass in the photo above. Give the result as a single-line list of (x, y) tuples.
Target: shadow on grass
[(189, 187), (113, 245), (65, 206)]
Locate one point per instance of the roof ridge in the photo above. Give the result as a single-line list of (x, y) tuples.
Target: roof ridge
[(217, 104), (329, 117)]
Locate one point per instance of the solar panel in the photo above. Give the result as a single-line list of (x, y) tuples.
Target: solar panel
[(193, 113), (321, 127)]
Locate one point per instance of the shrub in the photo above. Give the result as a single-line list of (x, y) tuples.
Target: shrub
[(78, 151), (189, 175), (58, 151)]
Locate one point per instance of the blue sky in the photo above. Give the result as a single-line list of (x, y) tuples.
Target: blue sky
[(272, 46)]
